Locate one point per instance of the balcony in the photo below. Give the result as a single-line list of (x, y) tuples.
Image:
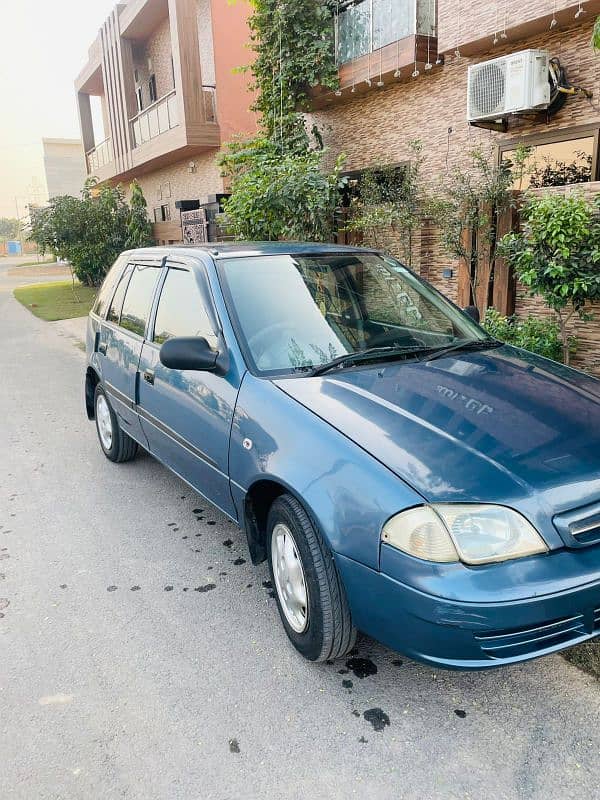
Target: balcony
[(158, 118), (163, 115), (379, 42), (99, 159)]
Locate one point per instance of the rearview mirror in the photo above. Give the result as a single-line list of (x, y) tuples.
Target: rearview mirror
[(188, 352), (473, 312)]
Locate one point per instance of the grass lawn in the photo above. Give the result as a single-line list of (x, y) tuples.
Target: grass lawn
[(53, 301)]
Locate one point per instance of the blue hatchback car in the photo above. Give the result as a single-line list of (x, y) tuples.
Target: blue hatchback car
[(403, 473)]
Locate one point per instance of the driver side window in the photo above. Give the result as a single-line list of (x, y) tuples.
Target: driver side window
[(181, 310)]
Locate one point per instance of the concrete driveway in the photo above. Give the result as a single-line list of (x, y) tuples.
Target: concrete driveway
[(141, 654)]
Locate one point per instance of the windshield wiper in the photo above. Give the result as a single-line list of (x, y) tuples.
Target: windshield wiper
[(465, 344), (348, 359)]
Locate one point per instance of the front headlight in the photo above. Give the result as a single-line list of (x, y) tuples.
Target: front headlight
[(474, 534)]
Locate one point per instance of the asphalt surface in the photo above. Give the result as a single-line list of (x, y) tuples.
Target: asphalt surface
[(141, 654)]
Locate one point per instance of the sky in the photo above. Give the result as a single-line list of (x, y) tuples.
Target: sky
[(43, 47)]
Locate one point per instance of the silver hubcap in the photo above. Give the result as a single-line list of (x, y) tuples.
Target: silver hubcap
[(289, 577), (104, 422)]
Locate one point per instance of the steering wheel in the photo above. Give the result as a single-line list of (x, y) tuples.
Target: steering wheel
[(260, 342)]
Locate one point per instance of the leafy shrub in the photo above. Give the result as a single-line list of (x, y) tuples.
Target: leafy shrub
[(91, 231), (277, 195), (541, 336), (557, 254)]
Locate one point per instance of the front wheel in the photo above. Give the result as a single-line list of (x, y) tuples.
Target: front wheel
[(310, 595), (115, 443)]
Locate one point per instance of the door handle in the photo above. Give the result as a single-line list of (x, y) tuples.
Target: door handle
[(102, 348), (149, 376)]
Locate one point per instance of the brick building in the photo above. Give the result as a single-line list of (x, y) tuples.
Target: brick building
[(403, 76), (164, 70), (163, 74)]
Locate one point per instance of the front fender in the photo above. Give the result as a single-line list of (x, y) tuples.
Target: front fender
[(347, 491)]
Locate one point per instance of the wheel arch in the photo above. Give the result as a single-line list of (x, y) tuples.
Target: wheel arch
[(258, 500), (92, 379)]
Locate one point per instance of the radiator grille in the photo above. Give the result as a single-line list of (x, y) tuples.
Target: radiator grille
[(504, 644)]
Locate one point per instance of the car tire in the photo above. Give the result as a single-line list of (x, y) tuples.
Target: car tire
[(116, 445), (322, 628)]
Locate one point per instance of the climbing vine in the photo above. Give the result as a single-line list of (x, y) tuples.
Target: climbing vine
[(279, 188), (294, 51)]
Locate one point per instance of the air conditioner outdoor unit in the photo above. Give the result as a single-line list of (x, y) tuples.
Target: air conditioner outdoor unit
[(507, 85)]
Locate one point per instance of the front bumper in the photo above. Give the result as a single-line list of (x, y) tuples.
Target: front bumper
[(455, 634)]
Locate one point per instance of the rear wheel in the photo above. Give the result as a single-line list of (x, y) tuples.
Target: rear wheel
[(115, 443), (310, 595)]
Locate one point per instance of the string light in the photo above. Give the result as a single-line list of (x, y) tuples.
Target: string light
[(553, 21), (380, 82), (397, 73), (429, 65), (338, 91), (459, 29), (504, 34), (496, 39), (353, 89), (580, 11)]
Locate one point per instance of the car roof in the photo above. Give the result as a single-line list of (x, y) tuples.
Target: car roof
[(219, 250)]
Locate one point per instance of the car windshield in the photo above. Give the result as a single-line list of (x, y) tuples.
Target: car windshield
[(294, 313)]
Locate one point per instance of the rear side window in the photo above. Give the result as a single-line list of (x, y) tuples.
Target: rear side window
[(114, 312), (138, 299), (181, 310), (108, 286)]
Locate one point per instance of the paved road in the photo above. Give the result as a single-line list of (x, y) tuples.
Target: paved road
[(122, 675)]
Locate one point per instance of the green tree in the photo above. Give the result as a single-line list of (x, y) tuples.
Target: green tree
[(387, 207), (557, 255), (139, 227), (541, 336), (282, 196), (9, 228), (279, 186), (466, 208), (89, 232)]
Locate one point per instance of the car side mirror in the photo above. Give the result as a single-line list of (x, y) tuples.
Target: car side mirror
[(473, 312), (188, 352)]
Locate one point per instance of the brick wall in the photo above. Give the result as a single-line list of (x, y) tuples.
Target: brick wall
[(158, 50), (166, 186), (462, 23), (378, 127)]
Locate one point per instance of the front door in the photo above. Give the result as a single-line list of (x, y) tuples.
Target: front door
[(187, 415), (120, 342)]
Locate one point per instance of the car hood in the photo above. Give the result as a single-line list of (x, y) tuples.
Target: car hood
[(502, 425)]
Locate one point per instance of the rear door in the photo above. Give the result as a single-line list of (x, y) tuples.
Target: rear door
[(187, 415), (121, 338)]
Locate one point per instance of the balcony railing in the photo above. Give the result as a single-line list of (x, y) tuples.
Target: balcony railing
[(163, 115), (99, 156), (362, 26), (158, 118)]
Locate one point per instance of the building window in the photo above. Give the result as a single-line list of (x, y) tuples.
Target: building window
[(139, 97), (162, 213), (152, 89), (366, 25), (556, 159)]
